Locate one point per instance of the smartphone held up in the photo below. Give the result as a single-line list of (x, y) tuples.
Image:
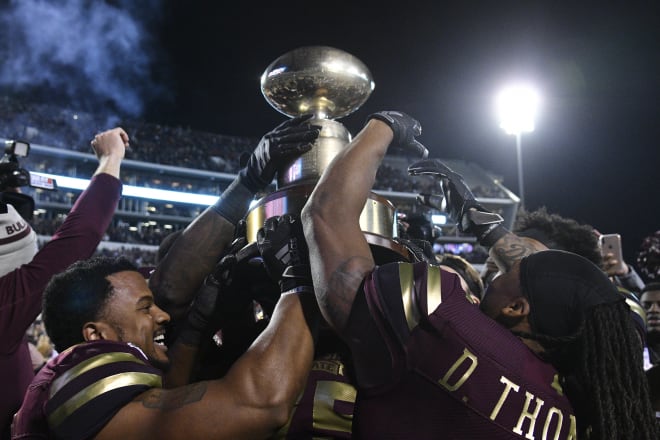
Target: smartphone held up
[(610, 249)]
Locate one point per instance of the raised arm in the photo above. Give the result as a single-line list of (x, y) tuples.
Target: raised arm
[(75, 239), (340, 256), (505, 247), (195, 253)]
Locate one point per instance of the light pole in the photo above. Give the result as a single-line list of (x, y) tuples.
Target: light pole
[(517, 106)]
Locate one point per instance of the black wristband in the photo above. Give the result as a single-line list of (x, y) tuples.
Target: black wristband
[(234, 201), (295, 276), (487, 235)]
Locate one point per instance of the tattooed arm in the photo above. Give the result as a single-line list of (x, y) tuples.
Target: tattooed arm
[(340, 256), (192, 256), (253, 400), (196, 252), (511, 248)]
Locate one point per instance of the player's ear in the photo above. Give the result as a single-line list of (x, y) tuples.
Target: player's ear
[(95, 331), (516, 308)]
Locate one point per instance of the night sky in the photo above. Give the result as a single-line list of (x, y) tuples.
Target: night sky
[(594, 155)]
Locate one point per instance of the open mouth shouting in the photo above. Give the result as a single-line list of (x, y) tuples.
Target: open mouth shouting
[(159, 339)]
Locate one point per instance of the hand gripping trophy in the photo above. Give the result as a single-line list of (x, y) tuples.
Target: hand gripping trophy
[(330, 84)]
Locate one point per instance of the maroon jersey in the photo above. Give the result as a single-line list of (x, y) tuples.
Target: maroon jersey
[(452, 372), (80, 390), (325, 408), (21, 290)]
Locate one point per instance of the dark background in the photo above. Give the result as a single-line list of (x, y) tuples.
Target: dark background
[(594, 155)]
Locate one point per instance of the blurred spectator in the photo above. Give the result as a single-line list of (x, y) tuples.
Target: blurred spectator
[(567, 234), (648, 257), (651, 303)]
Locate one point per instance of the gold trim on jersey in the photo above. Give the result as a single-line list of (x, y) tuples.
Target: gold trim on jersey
[(323, 415), (636, 308), (98, 388), (433, 292), (557, 385), (90, 364), (433, 289), (407, 281)]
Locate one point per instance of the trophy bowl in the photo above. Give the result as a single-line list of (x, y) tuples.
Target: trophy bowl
[(325, 81)]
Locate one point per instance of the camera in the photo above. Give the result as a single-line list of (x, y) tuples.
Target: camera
[(11, 173), (12, 176)]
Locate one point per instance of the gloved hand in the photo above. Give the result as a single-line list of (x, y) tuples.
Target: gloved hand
[(285, 142), (458, 202), (420, 250), (283, 248), (405, 129), (458, 198), (200, 312)]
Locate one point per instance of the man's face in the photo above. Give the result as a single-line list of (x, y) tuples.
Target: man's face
[(651, 303), (135, 318)]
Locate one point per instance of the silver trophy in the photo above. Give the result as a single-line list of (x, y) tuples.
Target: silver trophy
[(324, 81), (330, 84)]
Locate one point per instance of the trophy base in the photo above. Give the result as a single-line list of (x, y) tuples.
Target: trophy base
[(377, 220)]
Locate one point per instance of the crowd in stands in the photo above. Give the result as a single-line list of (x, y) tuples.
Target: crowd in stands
[(157, 144), (153, 143)]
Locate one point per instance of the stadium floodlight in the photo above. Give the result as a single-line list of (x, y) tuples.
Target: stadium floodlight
[(517, 107)]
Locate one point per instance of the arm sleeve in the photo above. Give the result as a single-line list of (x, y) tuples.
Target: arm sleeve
[(77, 238), (631, 281)]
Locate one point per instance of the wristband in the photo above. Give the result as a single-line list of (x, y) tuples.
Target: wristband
[(299, 290), (234, 201), (490, 235)]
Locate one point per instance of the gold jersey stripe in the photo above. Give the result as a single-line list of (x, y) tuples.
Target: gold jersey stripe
[(557, 385), (90, 364), (98, 388), (433, 289), (407, 282), (636, 308), (323, 415)]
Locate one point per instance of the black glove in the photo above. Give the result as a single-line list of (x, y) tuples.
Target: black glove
[(420, 250), (287, 141), (405, 129), (200, 312), (459, 202), (283, 248)]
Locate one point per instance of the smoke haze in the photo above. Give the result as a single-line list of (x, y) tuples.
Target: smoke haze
[(91, 55)]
